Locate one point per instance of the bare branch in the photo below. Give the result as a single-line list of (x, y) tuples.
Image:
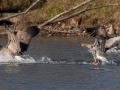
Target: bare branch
[(75, 14), (14, 15), (84, 10), (65, 12)]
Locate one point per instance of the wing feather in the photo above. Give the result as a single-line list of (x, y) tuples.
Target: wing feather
[(110, 43), (13, 42), (26, 35)]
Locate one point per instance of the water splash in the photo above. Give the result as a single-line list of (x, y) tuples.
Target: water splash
[(114, 50), (9, 59), (47, 60), (5, 59), (44, 59)]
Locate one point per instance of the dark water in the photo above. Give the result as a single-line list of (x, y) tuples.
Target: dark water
[(60, 65)]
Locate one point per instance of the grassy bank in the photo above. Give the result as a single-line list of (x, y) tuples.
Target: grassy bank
[(50, 8)]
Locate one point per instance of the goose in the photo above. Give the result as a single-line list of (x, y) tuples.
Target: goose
[(97, 52), (108, 32), (19, 43)]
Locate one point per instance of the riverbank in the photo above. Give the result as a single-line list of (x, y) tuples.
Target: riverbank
[(71, 27)]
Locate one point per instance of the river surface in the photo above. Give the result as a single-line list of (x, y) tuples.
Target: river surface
[(59, 64)]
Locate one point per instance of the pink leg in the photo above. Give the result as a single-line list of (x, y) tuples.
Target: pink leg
[(95, 63)]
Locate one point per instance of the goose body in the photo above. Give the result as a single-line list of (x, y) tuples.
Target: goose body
[(96, 53), (96, 49)]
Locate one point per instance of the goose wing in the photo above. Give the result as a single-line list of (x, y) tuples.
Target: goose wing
[(110, 43), (26, 35), (13, 42), (111, 31)]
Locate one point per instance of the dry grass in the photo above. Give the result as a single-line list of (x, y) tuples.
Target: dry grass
[(54, 7), (49, 8)]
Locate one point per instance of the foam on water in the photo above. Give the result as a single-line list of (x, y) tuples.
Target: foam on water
[(114, 50), (47, 60), (44, 60), (24, 59), (9, 59)]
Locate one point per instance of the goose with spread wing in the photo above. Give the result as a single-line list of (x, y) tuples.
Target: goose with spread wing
[(17, 44), (97, 52)]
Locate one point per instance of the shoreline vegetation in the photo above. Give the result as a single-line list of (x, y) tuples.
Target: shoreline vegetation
[(46, 9)]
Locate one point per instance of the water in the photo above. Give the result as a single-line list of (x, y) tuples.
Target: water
[(58, 63)]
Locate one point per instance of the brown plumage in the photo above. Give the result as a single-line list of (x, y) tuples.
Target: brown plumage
[(26, 35), (96, 49), (19, 43), (107, 32), (96, 52)]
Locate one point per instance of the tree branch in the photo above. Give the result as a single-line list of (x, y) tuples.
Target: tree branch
[(75, 14), (21, 12), (65, 12), (82, 11)]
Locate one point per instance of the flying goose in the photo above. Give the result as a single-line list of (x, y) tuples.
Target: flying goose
[(17, 44), (97, 52)]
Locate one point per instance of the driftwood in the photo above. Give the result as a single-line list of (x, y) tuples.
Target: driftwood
[(65, 12), (73, 15), (84, 10)]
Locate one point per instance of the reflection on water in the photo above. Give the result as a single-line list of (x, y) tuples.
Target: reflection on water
[(60, 64)]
